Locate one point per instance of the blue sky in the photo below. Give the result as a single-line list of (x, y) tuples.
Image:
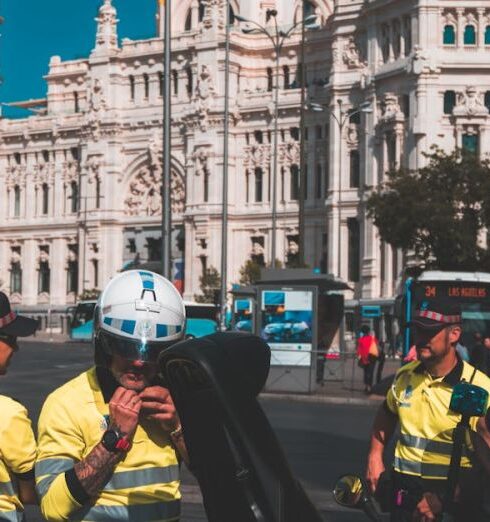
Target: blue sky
[(34, 30)]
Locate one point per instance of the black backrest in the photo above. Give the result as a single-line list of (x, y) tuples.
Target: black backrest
[(241, 469)]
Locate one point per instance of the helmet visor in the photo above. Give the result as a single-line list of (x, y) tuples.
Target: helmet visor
[(132, 349)]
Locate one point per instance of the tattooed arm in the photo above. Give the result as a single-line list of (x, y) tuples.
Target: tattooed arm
[(93, 472)]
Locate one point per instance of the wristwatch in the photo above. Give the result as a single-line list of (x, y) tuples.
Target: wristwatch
[(114, 442)]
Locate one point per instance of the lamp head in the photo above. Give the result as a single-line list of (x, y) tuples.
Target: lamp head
[(270, 13)]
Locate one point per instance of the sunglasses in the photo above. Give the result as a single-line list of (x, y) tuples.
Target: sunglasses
[(11, 340)]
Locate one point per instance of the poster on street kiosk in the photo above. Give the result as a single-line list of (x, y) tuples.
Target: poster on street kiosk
[(287, 321)]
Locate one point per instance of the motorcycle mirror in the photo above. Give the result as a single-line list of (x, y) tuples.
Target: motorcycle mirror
[(348, 491)]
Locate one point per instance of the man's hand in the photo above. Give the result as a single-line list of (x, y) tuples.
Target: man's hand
[(428, 508), (374, 469), (124, 409), (157, 404)]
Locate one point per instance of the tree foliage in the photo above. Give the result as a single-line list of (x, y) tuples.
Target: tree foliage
[(439, 211), (250, 271), (209, 283)]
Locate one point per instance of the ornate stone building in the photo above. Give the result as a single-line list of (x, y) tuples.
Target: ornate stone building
[(80, 179)]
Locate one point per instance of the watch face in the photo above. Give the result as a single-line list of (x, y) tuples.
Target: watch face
[(110, 439)]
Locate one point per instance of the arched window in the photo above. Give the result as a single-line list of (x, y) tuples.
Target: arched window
[(45, 196), (259, 137), (160, 83), (354, 249), (74, 196), (287, 82), (44, 277), (72, 277), (385, 42), (175, 78), (97, 192), (270, 79), (188, 21), (131, 87), (16, 201), (259, 182), (469, 37), (202, 10), (146, 80), (449, 35), (231, 16), (449, 102), (206, 186), (190, 87), (294, 188), (355, 170), (407, 27), (76, 101), (487, 35), (15, 278)]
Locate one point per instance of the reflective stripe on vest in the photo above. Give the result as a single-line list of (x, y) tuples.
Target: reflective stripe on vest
[(424, 469), (142, 477), (6, 488), (11, 516), (134, 513), (49, 469), (434, 446)]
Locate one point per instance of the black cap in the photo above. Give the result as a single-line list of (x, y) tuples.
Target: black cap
[(436, 314), (12, 323)]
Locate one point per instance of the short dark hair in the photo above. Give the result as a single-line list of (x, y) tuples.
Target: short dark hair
[(365, 329)]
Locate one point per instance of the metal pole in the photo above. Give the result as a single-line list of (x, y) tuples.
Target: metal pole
[(303, 160), (224, 211), (274, 166), (167, 142), (339, 239)]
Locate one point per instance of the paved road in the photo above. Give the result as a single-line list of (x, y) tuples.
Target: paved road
[(320, 440)]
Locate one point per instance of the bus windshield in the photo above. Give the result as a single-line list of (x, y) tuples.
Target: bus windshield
[(470, 290)]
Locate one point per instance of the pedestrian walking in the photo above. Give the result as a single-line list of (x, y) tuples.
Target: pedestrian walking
[(367, 354), (418, 402), (110, 440), (320, 361), (17, 443)]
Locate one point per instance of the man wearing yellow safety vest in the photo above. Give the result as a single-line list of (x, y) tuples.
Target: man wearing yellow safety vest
[(418, 402), (17, 443), (110, 440)]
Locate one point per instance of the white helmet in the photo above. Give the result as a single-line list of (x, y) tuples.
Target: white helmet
[(139, 314)]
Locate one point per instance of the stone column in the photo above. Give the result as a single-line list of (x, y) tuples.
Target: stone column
[(481, 28), (30, 254), (460, 27), (57, 261)]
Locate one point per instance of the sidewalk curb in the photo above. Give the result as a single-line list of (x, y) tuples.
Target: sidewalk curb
[(373, 400)]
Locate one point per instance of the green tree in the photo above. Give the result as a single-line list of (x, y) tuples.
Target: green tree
[(250, 272), (209, 283), (439, 211)]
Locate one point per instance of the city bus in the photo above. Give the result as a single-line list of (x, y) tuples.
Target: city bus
[(471, 290), (202, 319)]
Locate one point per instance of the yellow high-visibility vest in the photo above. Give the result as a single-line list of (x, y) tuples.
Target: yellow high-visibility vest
[(145, 484), (421, 404), (17, 455)]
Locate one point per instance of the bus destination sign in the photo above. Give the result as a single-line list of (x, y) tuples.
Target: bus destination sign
[(457, 291)]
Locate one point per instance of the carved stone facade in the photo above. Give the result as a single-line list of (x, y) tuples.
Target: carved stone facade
[(80, 184)]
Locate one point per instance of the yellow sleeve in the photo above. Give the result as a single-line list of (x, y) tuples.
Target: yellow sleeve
[(60, 446), (17, 442)]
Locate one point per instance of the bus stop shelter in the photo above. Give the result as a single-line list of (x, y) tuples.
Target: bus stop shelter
[(292, 310)]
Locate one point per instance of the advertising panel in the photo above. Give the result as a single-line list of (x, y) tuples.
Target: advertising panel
[(243, 315), (287, 326)]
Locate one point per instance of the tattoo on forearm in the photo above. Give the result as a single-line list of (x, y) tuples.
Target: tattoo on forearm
[(95, 470)]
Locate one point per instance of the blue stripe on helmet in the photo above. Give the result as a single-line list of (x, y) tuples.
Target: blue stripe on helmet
[(147, 280), (108, 320), (162, 330), (128, 326)]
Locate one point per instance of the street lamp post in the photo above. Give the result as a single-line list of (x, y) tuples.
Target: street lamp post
[(224, 216), (277, 37), (341, 120), (167, 143)]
